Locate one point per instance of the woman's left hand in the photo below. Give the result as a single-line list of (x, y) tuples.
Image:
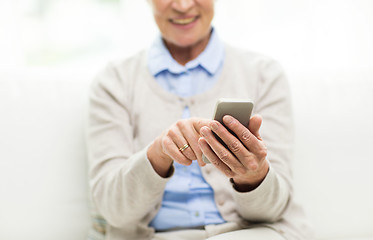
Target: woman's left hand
[(246, 161)]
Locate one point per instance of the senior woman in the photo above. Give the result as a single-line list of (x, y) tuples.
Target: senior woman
[(149, 127)]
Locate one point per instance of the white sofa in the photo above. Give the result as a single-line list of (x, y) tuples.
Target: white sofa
[(43, 187)]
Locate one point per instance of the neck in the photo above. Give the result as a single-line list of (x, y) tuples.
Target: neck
[(185, 54)]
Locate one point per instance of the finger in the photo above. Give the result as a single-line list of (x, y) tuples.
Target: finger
[(223, 153), (198, 123), (248, 139), (211, 156), (192, 137), (170, 148), (255, 124), (179, 139), (245, 157)]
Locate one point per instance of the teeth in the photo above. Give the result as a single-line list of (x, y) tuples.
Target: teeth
[(183, 21)]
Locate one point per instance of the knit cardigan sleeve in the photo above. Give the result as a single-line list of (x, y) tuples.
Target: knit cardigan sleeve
[(268, 202), (125, 189)]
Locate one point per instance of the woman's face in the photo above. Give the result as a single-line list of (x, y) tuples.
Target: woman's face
[(183, 22)]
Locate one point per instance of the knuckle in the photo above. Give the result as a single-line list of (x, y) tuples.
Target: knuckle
[(262, 153), (224, 156), (234, 146), (253, 159), (246, 136), (215, 162), (253, 166)]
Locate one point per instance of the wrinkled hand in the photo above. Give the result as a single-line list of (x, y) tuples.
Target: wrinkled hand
[(246, 161), (166, 148)]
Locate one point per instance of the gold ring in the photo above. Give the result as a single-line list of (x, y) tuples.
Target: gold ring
[(184, 147)]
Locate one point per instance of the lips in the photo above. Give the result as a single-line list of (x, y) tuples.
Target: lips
[(183, 21)]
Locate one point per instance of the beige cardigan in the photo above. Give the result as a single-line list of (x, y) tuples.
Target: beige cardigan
[(128, 110)]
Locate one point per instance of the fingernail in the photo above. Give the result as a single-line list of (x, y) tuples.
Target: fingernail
[(213, 126), (228, 119), (203, 131)]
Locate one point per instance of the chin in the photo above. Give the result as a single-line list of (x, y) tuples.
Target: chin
[(186, 41)]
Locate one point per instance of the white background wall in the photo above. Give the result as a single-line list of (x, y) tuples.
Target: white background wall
[(325, 47), (330, 35)]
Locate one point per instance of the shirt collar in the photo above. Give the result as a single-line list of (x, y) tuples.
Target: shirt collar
[(160, 59)]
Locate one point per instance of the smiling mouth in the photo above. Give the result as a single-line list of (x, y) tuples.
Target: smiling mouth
[(183, 21)]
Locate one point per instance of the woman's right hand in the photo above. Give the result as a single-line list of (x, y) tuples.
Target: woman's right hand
[(168, 147)]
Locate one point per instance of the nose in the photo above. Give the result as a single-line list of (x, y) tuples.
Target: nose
[(183, 5)]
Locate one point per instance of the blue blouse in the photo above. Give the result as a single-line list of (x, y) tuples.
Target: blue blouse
[(188, 200)]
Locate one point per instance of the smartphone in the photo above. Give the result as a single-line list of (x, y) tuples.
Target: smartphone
[(239, 108)]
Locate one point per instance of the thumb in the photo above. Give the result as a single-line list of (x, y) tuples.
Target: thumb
[(254, 125), (198, 123)]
